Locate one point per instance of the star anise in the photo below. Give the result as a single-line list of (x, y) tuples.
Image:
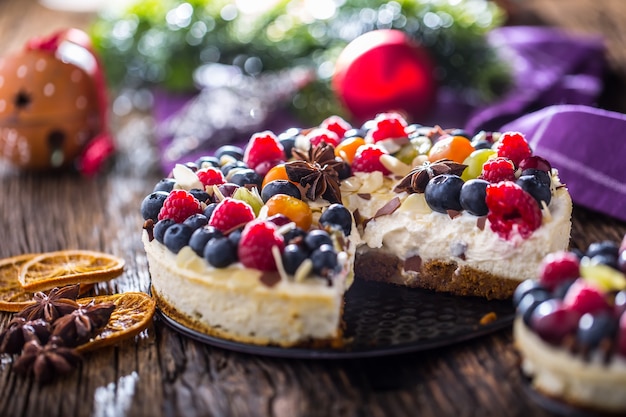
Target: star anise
[(58, 302), (81, 324), (44, 361), (19, 331), (417, 180), (317, 171)]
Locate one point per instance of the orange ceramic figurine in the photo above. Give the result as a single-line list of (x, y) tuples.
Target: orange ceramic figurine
[(53, 105)]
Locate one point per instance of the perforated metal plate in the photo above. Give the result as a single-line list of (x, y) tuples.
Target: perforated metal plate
[(382, 319)]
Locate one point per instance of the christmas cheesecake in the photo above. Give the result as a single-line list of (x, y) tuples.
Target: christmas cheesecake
[(570, 328), (405, 204)]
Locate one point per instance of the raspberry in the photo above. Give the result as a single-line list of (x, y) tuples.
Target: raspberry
[(230, 214), (585, 298), (535, 162), (263, 147), (510, 209), (513, 145), (336, 124), (558, 267), (387, 126), (255, 246), (210, 176), (316, 136), (179, 205), (498, 169), (367, 159)]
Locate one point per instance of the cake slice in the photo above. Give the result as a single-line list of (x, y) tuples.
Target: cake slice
[(259, 244)]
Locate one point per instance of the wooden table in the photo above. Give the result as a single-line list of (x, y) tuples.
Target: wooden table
[(162, 373)]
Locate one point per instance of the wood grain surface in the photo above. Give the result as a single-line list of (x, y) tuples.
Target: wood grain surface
[(161, 373)]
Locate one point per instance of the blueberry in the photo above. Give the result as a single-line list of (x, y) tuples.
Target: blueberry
[(280, 187), (605, 247), (336, 215), (235, 236), (605, 259), (288, 140), (472, 197), (247, 177), (209, 210), (200, 195), (529, 302), (294, 235), (324, 258), (344, 170), (228, 189), (166, 184), (442, 193), (524, 288), (151, 205), (161, 227), (542, 176), (353, 133), (482, 144), (316, 238), (226, 168), (533, 186), (460, 132), (177, 236), (208, 161), (593, 328), (195, 221), (220, 252), (561, 289), (200, 237), (230, 150), (293, 256)]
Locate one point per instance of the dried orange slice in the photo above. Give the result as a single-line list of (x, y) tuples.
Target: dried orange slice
[(13, 297), (55, 269), (133, 313)]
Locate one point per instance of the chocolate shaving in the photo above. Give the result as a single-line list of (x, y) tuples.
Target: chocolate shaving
[(389, 207), (365, 196), (358, 219), (47, 360), (413, 263), (417, 180), (270, 279), (481, 221), (148, 226), (59, 302), (453, 213)]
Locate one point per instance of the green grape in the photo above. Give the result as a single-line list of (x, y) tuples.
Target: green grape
[(406, 154), (475, 162)]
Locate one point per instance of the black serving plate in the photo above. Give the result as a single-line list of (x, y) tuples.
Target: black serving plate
[(382, 319)]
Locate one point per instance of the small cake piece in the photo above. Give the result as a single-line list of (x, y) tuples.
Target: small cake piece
[(570, 328)]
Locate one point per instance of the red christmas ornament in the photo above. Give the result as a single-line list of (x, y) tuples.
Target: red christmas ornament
[(53, 105), (385, 70)]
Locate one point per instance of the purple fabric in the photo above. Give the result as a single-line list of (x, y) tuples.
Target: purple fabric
[(549, 67), (586, 145)]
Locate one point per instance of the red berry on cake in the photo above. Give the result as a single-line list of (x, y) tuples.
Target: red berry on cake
[(210, 176), (553, 320), (498, 169), (512, 210), (319, 135), (230, 214), (585, 297), (255, 247), (367, 159), (263, 147), (179, 205), (513, 145), (387, 126), (535, 162), (557, 268), (337, 125)]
